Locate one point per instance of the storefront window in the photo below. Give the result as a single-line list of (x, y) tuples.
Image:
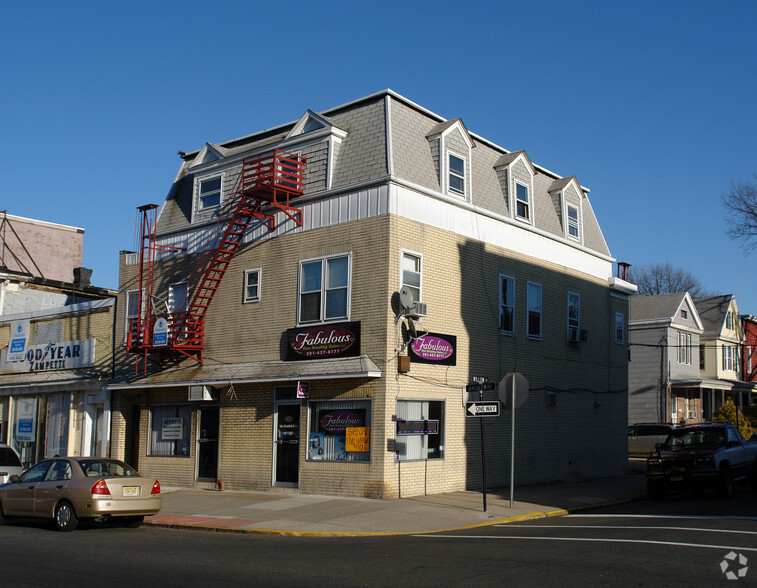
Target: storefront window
[(428, 442), (339, 431), (170, 427)]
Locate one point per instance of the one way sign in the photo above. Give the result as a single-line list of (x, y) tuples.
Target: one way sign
[(482, 408)]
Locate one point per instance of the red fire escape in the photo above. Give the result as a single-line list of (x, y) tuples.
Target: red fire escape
[(267, 184)]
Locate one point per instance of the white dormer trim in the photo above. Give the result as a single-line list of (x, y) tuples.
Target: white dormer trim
[(444, 152), (312, 124), (207, 154), (506, 162), (691, 309), (561, 190)]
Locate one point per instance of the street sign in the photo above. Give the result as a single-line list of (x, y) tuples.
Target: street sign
[(481, 387), (482, 408)]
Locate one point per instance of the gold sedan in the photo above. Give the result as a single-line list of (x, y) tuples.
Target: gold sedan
[(66, 489)]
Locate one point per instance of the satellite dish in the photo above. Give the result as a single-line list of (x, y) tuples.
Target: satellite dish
[(411, 330), (406, 299)]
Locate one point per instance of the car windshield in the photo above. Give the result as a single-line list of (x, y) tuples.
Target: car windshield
[(106, 467), (694, 438), (9, 458)]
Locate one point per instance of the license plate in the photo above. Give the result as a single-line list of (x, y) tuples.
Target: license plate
[(131, 490)]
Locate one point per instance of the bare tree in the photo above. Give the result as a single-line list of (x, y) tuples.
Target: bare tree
[(663, 278), (741, 207)]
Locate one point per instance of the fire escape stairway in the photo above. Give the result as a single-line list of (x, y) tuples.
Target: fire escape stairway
[(271, 179)]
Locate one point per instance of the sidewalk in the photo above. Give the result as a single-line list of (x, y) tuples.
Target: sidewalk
[(308, 514)]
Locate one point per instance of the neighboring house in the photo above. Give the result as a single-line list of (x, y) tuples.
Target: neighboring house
[(39, 248), (720, 354), (749, 350), (56, 345), (664, 383), (375, 265)]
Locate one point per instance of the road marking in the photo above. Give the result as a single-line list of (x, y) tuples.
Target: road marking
[(649, 516), (590, 540), (626, 527)]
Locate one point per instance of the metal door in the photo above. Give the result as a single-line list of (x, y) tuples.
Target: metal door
[(287, 444)]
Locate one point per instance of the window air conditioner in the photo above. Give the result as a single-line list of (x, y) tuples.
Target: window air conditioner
[(419, 309), (199, 393)]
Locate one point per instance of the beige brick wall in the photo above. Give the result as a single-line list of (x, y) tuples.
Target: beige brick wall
[(583, 435)]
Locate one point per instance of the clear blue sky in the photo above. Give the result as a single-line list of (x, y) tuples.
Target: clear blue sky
[(650, 104)]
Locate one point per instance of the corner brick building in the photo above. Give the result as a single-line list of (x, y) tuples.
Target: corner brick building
[(333, 356)]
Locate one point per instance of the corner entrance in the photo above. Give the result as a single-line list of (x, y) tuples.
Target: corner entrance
[(286, 442), (207, 444)]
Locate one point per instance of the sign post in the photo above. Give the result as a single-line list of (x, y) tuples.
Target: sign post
[(513, 391), (480, 409)]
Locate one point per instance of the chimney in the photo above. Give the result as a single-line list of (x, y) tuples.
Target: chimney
[(81, 277)]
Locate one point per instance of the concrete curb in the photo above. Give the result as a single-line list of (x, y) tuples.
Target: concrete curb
[(512, 519)]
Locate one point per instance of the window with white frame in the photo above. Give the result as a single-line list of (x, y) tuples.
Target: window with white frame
[(209, 192), (324, 289), (251, 285), (420, 445), (178, 295), (506, 304), (684, 348), (170, 430), (574, 315), (702, 349), (729, 358), (133, 311), (620, 328), (522, 204), (411, 274), (534, 310), (729, 320), (572, 222), (456, 176)]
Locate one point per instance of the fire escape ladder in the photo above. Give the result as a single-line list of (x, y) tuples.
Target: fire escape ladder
[(266, 184)]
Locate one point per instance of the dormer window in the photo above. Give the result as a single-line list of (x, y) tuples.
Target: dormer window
[(522, 208), (572, 222), (210, 192), (456, 174)]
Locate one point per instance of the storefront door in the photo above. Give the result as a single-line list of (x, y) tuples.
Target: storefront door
[(287, 444), (207, 444)]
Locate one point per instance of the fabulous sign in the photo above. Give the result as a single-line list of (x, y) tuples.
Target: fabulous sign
[(66, 355), (324, 342), (434, 348)]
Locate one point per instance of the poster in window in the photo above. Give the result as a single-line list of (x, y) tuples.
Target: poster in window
[(315, 448)]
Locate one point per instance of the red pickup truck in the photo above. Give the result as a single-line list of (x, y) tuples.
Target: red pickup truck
[(713, 455)]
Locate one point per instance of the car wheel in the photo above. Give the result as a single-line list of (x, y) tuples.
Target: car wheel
[(65, 517), (656, 490), (725, 484), (133, 522)]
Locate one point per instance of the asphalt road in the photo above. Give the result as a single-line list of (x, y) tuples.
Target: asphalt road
[(683, 541)]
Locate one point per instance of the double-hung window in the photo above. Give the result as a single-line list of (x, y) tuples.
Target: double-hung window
[(251, 286), (522, 205), (684, 348), (411, 274), (178, 297), (572, 222), (620, 327), (574, 315), (456, 174), (209, 192), (506, 304), (324, 289), (134, 311), (729, 358), (534, 310)]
